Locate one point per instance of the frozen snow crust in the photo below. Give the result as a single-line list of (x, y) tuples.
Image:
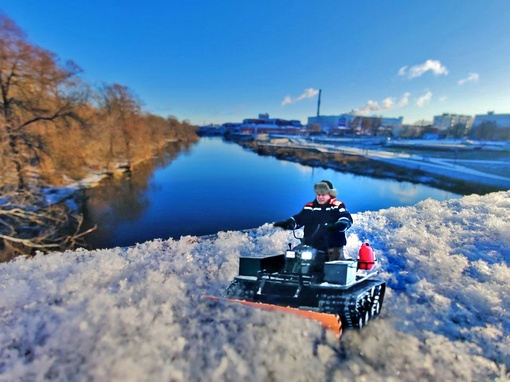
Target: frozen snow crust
[(136, 314)]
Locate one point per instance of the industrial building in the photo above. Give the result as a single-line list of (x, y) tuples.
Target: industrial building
[(352, 124)]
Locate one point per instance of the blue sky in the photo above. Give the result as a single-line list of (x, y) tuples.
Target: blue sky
[(223, 61)]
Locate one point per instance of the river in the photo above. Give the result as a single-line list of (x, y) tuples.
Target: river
[(217, 186)]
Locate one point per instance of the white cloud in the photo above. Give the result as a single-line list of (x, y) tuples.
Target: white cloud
[(424, 98), (402, 71), (308, 93), (371, 106), (386, 104), (472, 77), (433, 66), (404, 100), (286, 100)]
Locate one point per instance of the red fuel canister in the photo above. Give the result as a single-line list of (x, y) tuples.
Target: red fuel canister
[(366, 257)]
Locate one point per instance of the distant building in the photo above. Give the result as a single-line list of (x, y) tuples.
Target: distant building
[(333, 124), (352, 124), (491, 126), (394, 124), (499, 120), (447, 121), (265, 125)]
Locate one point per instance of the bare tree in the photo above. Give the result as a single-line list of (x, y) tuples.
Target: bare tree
[(122, 117), (485, 131), (457, 131), (35, 92), (423, 123), (28, 223)]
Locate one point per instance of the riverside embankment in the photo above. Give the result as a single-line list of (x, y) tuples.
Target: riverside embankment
[(448, 172)]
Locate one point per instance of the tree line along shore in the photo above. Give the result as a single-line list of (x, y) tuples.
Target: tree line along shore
[(56, 129)]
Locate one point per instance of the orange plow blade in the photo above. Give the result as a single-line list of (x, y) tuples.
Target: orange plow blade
[(328, 321)]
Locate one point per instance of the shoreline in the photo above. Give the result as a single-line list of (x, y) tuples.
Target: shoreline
[(434, 172), (56, 194)]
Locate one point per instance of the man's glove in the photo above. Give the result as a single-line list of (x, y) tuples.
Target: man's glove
[(330, 227), (341, 225), (285, 224)]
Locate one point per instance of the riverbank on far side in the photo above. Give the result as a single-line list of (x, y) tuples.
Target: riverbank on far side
[(448, 171)]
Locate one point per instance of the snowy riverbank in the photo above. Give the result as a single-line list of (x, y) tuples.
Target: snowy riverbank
[(411, 166), (136, 314)]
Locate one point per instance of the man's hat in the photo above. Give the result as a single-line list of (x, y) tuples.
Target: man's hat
[(325, 187)]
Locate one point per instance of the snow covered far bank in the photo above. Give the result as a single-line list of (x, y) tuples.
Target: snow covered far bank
[(468, 144), (136, 314)]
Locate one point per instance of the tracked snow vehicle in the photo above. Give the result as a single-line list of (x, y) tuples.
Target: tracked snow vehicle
[(339, 294)]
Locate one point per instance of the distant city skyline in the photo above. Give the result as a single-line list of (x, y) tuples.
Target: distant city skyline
[(216, 62)]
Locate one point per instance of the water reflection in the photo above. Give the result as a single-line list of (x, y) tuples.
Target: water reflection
[(216, 186), (119, 203)]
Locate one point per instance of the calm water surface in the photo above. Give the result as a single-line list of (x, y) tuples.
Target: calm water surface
[(218, 186)]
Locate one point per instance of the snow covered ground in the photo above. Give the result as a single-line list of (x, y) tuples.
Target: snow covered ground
[(447, 167), (136, 314)]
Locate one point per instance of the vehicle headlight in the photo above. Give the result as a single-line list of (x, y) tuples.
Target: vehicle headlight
[(306, 255), (290, 254)]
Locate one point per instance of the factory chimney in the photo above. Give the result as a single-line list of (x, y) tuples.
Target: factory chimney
[(319, 103)]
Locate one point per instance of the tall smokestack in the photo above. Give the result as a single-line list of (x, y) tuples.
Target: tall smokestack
[(319, 103)]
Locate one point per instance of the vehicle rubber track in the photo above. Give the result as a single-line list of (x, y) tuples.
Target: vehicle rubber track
[(240, 290), (357, 305)]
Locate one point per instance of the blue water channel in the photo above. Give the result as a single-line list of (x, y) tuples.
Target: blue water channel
[(218, 186)]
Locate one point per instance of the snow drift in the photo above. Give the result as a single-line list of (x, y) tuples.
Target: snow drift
[(136, 314)]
